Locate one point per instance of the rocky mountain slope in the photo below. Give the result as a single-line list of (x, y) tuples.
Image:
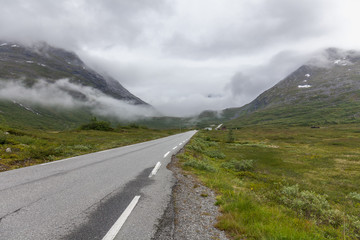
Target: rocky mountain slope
[(324, 90), (46, 87), (42, 61)]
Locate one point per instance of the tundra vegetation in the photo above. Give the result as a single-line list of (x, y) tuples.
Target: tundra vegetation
[(26, 147), (281, 182)]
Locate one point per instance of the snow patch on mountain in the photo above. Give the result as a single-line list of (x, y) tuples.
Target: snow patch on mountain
[(304, 86), (25, 107), (342, 62)]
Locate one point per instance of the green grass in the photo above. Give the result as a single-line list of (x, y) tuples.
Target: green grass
[(341, 110), (29, 147), (282, 182), (55, 118)]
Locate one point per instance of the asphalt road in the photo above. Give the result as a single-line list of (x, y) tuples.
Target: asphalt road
[(83, 197)]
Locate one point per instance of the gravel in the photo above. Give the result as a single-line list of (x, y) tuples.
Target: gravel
[(191, 213)]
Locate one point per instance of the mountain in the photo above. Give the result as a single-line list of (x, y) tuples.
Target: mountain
[(42, 61), (325, 90), (40, 67)]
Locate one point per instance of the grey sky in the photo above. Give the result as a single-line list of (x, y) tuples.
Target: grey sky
[(184, 56)]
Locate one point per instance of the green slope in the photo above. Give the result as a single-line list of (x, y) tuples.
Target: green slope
[(332, 96), (16, 116)]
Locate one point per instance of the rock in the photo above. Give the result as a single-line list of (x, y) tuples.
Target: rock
[(8, 150), (7, 133)]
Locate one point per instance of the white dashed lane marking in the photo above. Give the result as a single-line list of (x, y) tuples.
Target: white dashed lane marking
[(156, 168), (166, 154), (114, 230)]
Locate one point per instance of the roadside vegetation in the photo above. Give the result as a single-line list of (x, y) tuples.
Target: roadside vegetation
[(21, 148), (281, 182)]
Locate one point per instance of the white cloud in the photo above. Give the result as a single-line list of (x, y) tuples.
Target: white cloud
[(59, 94), (174, 53)]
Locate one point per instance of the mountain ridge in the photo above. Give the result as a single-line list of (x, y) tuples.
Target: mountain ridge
[(47, 87), (325, 90), (46, 62)]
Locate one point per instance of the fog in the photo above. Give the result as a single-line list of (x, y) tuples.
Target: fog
[(173, 54), (58, 94)]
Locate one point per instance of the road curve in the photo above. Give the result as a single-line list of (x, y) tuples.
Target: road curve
[(83, 197)]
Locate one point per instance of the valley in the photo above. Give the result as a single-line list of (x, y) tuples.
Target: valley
[(284, 166), (180, 119)]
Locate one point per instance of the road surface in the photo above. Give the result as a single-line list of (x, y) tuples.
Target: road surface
[(91, 196)]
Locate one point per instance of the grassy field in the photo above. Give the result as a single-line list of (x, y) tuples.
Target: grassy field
[(29, 147), (342, 110), (282, 183)]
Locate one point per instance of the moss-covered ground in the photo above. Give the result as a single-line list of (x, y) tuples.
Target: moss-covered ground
[(34, 146), (282, 182)]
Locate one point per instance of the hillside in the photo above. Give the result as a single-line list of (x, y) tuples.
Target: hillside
[(47, 87), (319, 92)]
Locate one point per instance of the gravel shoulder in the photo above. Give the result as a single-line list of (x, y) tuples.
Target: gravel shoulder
[(191, 213)]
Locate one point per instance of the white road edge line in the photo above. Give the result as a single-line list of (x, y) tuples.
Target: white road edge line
[(114, 230), (180, 144), (56, 161), (174, 147), (166, 154), (156, 168)]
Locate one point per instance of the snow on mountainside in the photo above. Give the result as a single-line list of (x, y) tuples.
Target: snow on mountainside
[(326, 87), (335, 73)]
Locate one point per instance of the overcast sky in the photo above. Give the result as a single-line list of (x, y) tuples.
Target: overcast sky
[(185, 56)]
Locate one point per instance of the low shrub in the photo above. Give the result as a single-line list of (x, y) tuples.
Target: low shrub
[(209, 143), (230, 137), (134, 125), (310, 205), (81, 147), (200, 145), (196, 148), (215, 154), (239, 165), (197, 145), (16, 132), (43, 152), (28, 140), (354, 196), (2, 138), (203, 165), (131, 126), (97, 125), (354, 225)]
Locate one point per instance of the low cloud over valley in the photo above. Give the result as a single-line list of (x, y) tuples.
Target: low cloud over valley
[(65, 94)]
